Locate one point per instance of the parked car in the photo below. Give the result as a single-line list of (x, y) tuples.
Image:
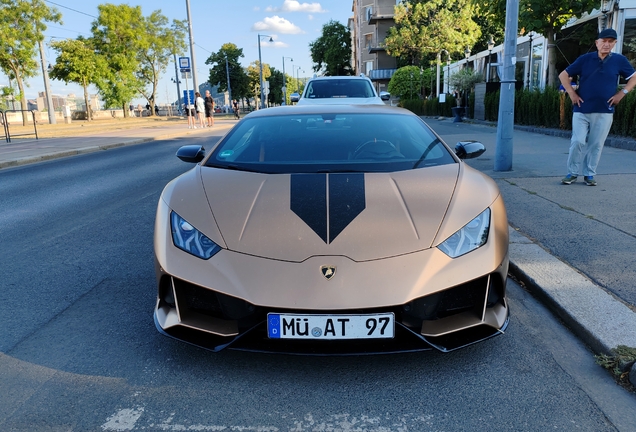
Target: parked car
[(329, 90), (294, 97), (331, 229)]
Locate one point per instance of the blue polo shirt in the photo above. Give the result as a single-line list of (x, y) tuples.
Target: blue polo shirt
[(598, 80)]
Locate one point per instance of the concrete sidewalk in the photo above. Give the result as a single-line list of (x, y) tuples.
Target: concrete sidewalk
[(571, 245), (83, 137)]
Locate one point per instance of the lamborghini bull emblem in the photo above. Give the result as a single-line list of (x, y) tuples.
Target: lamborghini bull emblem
[(328, 271)]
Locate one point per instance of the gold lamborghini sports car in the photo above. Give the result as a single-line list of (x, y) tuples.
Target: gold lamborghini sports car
[(333, 229)]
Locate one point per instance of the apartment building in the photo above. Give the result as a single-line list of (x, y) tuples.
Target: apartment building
[(369, 26)]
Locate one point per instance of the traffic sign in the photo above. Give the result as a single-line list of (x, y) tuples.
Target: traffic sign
[(184, 63), (186, 70)]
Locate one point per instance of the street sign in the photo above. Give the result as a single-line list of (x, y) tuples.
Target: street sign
[(186, 70), (184, 62), (188, 95), (186, 75)]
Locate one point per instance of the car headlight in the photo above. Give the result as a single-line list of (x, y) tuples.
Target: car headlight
[(188, 238), (470, 237)]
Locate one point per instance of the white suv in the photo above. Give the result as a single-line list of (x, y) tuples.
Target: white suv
[(349, 90)]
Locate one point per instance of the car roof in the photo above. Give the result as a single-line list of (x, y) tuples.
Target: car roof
[(328, 109)]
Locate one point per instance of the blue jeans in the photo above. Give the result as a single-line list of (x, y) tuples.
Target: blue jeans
[(589, 132)]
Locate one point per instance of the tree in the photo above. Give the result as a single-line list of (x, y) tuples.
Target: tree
[(331, 52), (22, 29), (464, 81), (239, 82), (424, 27), (407, 82), (547, 18), (253, 74), (275, 96), (77, 62), (159, 42), (117, 37)]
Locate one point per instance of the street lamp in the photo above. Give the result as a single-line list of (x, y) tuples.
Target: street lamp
[(298, 68), (227, 74), (467, 54), (530, 61), (177, 81), (439, 57), (491, 45), (285, 80), (260, 63), (447, 80)]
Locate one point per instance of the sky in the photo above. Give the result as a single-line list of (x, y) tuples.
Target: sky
[(292, 25)]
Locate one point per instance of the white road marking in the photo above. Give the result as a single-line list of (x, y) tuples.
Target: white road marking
[(123, 420)]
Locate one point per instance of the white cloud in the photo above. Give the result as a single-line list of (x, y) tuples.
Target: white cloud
[(310, 17), (276, 24), (296, 6)]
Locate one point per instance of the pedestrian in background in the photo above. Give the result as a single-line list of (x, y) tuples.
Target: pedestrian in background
[(209, 108), (189, 109), (236, 109), (199, 106), (593, 103)]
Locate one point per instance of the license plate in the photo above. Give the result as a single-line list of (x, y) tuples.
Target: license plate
[(295, 326)]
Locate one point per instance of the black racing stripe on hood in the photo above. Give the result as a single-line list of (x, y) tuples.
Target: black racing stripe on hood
[(346, 201), (308, 199), (327, 211)]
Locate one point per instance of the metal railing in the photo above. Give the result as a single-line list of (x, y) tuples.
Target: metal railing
[(5, 123)]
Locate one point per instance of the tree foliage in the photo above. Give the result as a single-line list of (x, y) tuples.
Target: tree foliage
[(254, 76), (158, 43), (424, 27), (331, 52), (22, 26), (546, 18), (77, 62), (408, 82), (464, 81), (239, 81), (117, 34)]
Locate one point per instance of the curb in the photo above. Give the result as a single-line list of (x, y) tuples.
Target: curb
[(593, 314)]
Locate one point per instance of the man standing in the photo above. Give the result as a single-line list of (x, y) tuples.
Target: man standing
[(593, 103)]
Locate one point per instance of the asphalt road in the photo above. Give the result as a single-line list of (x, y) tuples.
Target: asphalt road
[(79, 351)]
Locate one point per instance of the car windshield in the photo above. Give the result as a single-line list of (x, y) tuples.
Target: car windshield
[(311, 143), (339, 88)]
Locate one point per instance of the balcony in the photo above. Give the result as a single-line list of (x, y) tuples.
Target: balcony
[(375, 14), (381, 74)]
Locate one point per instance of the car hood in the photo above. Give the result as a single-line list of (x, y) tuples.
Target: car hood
[(362, 216)]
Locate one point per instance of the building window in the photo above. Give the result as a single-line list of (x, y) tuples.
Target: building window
[(368, 66), (368, 40)]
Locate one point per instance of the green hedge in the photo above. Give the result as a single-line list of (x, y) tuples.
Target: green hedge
[(429, 107), (553, 109)]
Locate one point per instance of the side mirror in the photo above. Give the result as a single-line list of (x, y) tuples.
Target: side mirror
[(385, 96), (191, 153), (469, 149)]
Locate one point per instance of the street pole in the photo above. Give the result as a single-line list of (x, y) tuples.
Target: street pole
[(285, 80), (176, 80), (227, 73), (260, 64), (195, 81), (439, 56), (47, 88), (505, 123)]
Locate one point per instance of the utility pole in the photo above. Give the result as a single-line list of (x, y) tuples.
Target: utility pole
[(47, 87), (506, 120), (195, 81)]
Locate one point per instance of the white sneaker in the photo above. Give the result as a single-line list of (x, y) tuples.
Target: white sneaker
[(195, 127)]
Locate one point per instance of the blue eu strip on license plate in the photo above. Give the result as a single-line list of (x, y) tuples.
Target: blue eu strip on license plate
[(296, 326)]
